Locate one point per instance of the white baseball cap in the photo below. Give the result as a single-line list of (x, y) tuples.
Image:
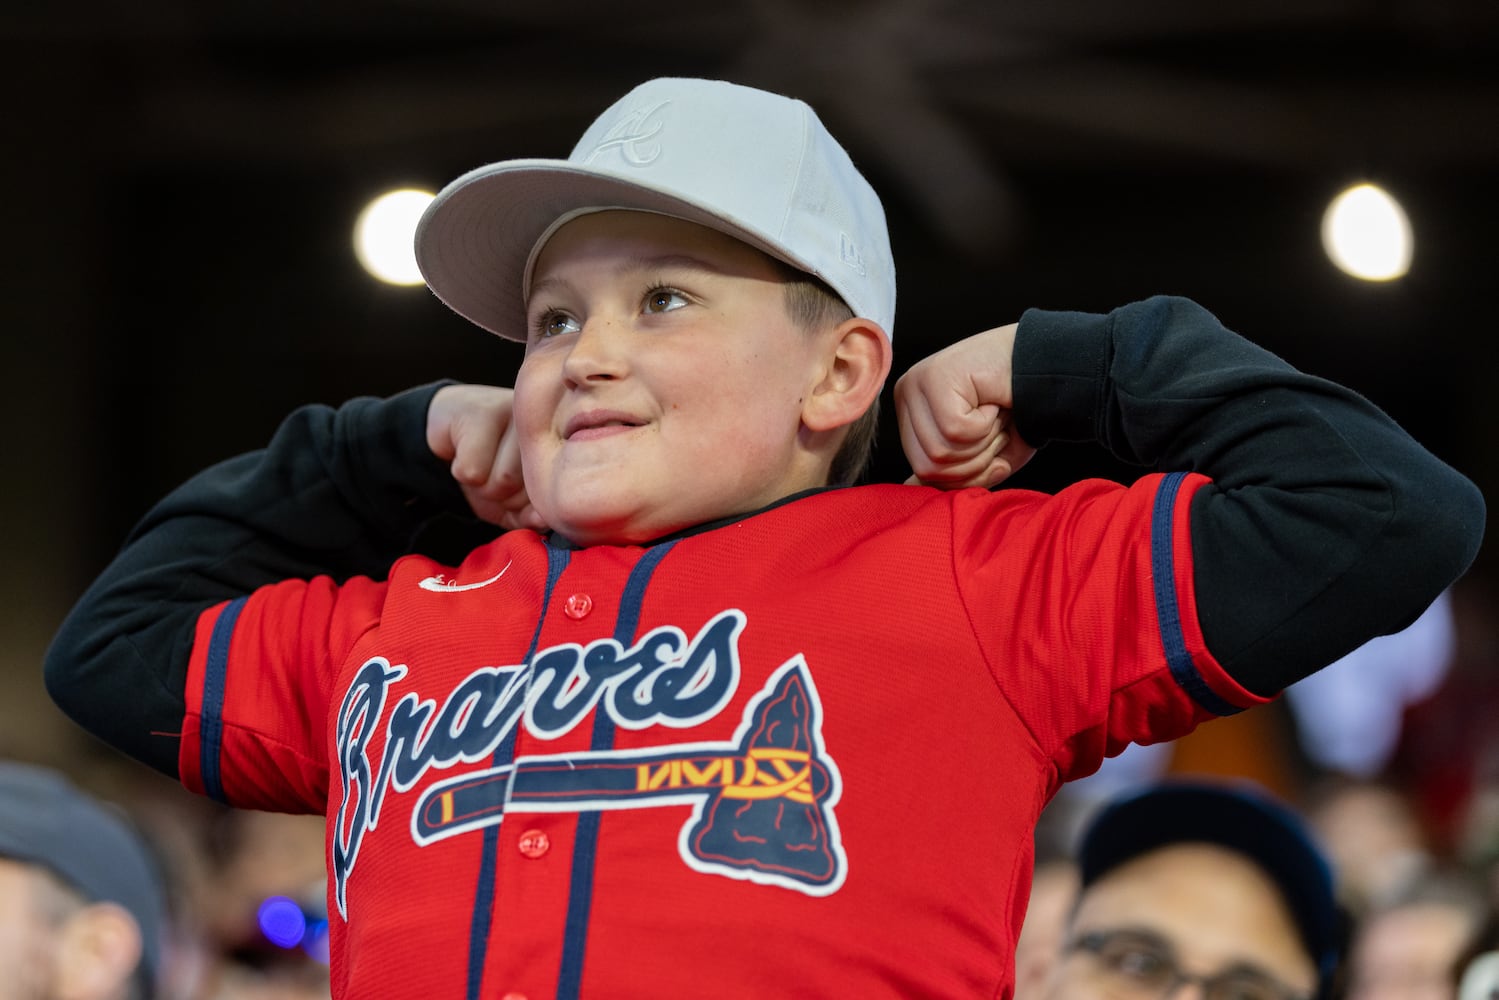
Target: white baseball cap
[(755, 165)]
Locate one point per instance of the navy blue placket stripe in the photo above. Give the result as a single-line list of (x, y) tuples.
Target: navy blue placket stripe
[(479, 923), (215, 684), (585, 847), (1168, 611)]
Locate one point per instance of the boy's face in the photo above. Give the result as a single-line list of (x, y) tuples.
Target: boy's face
[(663, 381)]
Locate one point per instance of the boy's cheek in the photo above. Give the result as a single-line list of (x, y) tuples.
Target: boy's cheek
[(528, 407), (532, 466), (530, 450), (529, 427)]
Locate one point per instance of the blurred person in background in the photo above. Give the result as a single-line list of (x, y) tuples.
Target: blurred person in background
[(1350, 714), (1481, 978), (1047, 915), (263, 911), (1374, 837), (1415, 947), (1480, 967), (1211, 885), (82, 904), (244, 888)]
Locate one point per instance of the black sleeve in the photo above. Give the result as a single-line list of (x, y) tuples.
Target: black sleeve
[(340, 492), (1325, 524)]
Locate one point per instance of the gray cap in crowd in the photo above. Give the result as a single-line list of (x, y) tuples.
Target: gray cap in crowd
[(47, 821)]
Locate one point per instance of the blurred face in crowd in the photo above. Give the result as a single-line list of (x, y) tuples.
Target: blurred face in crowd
[(1183, 914), (1409, 953), (1048, 918), (55, 946), (25, 935), (1375, 841)]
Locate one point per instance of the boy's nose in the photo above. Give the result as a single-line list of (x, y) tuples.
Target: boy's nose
[(597, 353)]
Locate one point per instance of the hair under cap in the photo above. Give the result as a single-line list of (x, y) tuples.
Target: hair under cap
[(755, 165)]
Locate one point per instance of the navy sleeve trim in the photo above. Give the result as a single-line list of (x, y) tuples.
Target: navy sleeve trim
[(1168, 610), (215, 682)]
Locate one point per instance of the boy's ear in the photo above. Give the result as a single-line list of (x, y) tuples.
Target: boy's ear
[(857, 361)]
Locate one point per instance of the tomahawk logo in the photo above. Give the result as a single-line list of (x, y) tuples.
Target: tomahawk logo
[(761, 803)]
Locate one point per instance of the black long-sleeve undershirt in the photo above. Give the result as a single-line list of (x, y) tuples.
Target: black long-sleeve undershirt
[(1325, 524)]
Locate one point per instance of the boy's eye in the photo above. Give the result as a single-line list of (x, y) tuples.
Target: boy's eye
[(660, 300), (554, 324)]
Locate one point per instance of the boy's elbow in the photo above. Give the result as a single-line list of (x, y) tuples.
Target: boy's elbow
[(96, 677), (1441, 527), (69, 679), (1460, 518)]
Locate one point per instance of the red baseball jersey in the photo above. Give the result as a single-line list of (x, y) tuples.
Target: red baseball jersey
[(801, 753)]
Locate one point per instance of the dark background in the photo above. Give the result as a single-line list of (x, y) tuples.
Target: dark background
[(181, 179)]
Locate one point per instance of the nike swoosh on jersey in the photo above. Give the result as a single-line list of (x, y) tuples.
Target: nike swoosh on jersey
[(440, 585)]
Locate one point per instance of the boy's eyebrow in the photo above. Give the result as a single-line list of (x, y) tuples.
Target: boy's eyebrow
[(680, 260), (635, 265)]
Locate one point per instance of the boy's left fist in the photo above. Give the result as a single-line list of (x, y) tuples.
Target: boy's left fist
[(954, 411)]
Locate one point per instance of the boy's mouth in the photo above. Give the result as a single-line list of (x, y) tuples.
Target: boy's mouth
[(598, 423)]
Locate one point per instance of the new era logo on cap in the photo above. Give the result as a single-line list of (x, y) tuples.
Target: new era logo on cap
[(849, 254), (756, 165)]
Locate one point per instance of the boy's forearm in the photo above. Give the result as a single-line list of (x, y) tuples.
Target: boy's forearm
[(1326, 524), (338, 492)]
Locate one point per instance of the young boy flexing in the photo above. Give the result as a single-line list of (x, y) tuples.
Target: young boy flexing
[(706, 721)]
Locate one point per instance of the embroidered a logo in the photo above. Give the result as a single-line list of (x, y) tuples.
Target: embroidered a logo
[(761, 802), (634, 136)]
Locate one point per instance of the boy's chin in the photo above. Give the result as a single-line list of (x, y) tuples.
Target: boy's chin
[(592, 528)]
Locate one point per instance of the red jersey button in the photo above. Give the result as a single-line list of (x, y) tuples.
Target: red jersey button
[(513, 996), (534, 843), (577, 606)]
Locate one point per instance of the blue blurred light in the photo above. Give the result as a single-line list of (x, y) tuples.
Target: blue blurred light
[(282, 922), (315, 943)]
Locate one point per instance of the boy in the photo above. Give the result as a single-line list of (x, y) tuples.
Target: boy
[(699, 725)]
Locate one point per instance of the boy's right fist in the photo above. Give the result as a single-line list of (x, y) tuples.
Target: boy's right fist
[(954, 411), (470, 427)]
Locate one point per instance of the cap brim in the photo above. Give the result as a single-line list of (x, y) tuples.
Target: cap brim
[(474, 240)]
